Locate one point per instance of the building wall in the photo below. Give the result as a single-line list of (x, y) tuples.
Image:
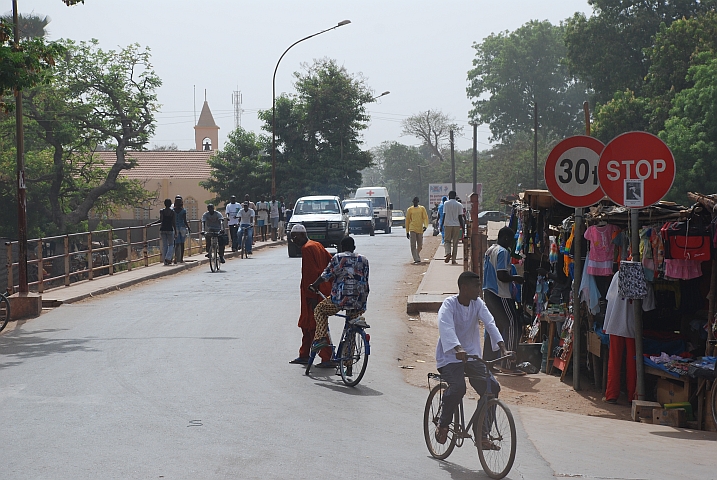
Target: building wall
[(188, 188)]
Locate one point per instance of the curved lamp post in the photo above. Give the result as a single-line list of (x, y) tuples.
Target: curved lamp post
[(273, 102)]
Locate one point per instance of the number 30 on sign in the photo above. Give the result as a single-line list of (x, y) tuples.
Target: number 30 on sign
[(571, 171)]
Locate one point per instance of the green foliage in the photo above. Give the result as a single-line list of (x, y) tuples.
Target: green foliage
[(239, 168), (518, 69), (624, 113), (691, 131), (318, 132)]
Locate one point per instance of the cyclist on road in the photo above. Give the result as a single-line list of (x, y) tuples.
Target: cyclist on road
[(212, 223), (246, 227), (349, 272), (459, 336)]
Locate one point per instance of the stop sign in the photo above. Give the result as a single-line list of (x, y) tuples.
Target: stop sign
[(636, 169), (571, 171)]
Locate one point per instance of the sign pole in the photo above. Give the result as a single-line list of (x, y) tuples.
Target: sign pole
[(637, 306), (577, 279)]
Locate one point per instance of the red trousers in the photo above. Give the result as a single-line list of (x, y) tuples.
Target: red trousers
[(307, 338), (618, 345)]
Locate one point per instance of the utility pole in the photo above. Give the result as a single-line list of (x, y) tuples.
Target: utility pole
[(21, 197), (535, 145), (453, 165), (475, 158)]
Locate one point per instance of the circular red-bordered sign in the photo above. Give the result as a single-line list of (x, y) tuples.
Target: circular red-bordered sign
[(636, 169), (571, 171)]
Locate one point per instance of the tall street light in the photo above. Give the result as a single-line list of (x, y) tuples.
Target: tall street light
[(273, 102)]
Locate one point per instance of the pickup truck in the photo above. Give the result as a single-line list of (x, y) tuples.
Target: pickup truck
[(324, 219)]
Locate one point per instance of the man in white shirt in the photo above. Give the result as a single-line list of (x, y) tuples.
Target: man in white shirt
[(460, 336), (233, 222), (245, 216), (262, 218), (452, 226), (274, 215)]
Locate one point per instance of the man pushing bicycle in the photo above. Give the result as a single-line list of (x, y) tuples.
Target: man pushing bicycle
[(459, 336)]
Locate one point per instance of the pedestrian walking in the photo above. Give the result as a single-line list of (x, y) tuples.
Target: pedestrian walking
[(282, 218), (453, 226), (498, 297), (262, 217), (183, 230), (314, 259), (167, 231), (274, 216), (231, 210), (416, 224), (440, 219)]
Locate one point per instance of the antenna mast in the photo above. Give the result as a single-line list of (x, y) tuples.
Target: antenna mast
[(237, 102), (194, 99)]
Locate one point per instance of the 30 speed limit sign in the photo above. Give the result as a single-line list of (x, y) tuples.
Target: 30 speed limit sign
[(571, 171)]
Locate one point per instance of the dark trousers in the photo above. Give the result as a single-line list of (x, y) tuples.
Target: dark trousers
[(506, 319), (307, 337), (454, 375), (235, 238)]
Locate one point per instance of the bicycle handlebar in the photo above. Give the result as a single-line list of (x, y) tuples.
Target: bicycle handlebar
[(490, 363), (316, 290)]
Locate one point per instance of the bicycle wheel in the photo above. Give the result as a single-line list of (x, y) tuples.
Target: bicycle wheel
[(431, 414), (213, 261), (4, 311), (714, 400), (498, 430), (353, 357)]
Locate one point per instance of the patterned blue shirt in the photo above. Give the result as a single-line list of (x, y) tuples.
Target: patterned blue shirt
[(349, 272)]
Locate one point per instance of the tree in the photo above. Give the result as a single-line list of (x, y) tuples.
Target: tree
[(239, 168), (318, 131), (95, 97), (607, 50), (519, 69), (433, 128), (29, 26), (691, 131)]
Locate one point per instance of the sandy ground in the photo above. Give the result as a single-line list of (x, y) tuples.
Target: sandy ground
[(539, 390)]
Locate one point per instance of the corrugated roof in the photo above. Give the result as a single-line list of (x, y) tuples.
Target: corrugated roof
[(164, 164), (205, 118)]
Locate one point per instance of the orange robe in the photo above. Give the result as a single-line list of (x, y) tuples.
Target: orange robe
[(314, 259)]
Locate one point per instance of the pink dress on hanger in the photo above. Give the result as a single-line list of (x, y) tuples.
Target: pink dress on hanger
[(602, 250)]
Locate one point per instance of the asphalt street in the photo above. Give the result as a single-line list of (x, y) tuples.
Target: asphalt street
[(187, 378)]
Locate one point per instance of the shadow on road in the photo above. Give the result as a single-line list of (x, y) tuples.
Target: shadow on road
[(359, 390), (460, 473), (20, 345)]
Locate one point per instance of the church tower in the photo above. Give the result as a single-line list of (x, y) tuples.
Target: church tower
[(206, 132)]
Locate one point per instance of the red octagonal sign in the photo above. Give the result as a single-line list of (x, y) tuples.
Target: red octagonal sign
[(571, 171), (636, 169)]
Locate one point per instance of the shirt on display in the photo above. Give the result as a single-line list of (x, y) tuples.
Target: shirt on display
[(602, 250)]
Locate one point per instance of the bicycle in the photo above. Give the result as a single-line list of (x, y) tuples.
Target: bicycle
[(353, 351), (492, 423), (245, 238), (4, 310), (713, 392), (213, 250)]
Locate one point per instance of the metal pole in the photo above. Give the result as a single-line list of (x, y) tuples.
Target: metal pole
[(21, 193), (637, 305), (453, 165), (578, 264), (475, 158), (535, 145)]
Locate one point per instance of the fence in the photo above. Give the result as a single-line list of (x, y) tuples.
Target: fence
[(65, 259)]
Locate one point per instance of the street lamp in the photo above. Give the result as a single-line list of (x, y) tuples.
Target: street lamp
[(379, 96), (273, 102)]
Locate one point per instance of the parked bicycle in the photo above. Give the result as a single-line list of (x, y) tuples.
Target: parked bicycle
[(493, 427), (213, 250), (4, 310), (354, 348)]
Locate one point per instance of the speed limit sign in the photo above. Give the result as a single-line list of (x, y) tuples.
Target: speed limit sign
[(571, 171)]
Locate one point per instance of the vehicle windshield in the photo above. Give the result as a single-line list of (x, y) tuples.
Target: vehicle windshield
[(396, 213), (376, 202), (316, 206), (359, 210)]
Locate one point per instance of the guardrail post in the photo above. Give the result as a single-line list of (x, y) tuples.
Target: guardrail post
[(90, 273), (10, 281), (145, 247), (67, 260), (111, 251), (129, 249), (40, 267)]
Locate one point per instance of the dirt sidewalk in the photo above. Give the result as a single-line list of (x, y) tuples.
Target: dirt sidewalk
[(539, 390)]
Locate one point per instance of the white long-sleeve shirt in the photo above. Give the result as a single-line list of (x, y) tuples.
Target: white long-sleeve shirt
[(458, 325)]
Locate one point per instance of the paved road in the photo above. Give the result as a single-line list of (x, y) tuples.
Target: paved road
[(187, 378)]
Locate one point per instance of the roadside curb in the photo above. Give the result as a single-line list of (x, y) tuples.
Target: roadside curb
[(152, 276)]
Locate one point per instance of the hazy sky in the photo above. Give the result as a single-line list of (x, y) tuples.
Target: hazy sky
[(419, 50)]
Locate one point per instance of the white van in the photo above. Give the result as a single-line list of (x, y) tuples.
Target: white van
[(381, 203)]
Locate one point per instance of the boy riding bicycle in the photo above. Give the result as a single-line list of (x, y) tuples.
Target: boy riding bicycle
[(459, 336)]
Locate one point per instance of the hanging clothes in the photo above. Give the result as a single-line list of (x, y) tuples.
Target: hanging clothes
[(602, 249), (589, 292)]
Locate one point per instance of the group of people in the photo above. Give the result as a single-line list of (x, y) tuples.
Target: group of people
[(341, 278), (451, 222), (173, 230)]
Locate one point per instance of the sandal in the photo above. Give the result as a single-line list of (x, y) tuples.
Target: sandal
[(442, 435), (486, 444)]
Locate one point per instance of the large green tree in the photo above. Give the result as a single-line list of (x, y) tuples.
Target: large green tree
[(512, 71), (318, 131), (607, 49)]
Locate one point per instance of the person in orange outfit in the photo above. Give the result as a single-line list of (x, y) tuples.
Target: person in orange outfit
[(314, 259)]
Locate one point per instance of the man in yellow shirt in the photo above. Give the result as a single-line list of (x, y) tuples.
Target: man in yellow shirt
[(416, 224)]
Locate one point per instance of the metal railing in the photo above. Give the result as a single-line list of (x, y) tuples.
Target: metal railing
[(87, 255)]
